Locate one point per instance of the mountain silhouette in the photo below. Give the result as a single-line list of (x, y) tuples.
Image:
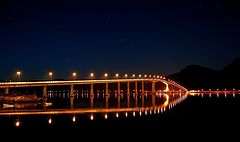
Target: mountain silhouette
[(200, 77), (232, 70)]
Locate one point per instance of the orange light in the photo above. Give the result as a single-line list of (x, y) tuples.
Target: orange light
[(74, 119), (74, 74), (18, 73), (50, 73), (17, 123), (49, 121), (92, 117), (106, 116), (134, 114), (92, 74)]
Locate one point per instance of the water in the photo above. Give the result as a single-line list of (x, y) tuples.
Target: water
[(85, 108), (201, 115)]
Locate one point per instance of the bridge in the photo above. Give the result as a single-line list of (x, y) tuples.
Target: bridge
[(71, 83)]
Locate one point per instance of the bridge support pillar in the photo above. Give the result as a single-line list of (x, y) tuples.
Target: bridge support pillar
[(153, 100), (72, 102), (6, 91), (167, 88), (91, 90), (91, 101), (128, 101), (45, 91), (143, 88), (119, 88), (72, 91), (153, 88), (128, 88), (106, 101), (136, 88), (119, 101), (136, 100), (143, 100), (106, 89)]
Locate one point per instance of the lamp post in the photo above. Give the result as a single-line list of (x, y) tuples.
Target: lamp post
[(74, 74), (50, 74), (92, 75), (91, 88), (19, 75), (105, 75), (117, 75)]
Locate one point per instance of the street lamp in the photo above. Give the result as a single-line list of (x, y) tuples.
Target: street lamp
[(74, 74), (50, 74), (117, 75), (126, 75), (106, 75), (19, 75), (92, 75)]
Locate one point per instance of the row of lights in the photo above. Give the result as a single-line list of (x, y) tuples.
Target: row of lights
[(74, 74), (155, 111), (50, 74), (74, 118), (213, 90)]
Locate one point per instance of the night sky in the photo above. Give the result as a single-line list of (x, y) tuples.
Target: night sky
[(143, 36)]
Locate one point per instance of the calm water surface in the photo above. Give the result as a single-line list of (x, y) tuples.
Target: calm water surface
[(199, 114), (84, 107)]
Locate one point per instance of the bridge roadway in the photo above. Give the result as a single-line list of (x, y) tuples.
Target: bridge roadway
[(44, 84)]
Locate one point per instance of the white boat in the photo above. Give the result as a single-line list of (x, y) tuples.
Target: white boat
[(8, 106), (48, 104)]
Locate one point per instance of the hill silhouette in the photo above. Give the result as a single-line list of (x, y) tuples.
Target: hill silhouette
[(200, 77)]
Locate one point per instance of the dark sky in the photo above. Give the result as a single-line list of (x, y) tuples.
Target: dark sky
[(143, 36)]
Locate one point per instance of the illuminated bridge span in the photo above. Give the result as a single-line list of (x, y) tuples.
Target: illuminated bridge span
[(170, 86)]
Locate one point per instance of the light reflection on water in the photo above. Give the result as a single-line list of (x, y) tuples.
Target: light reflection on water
[(83, 103), (87, 103), (217, 95)]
